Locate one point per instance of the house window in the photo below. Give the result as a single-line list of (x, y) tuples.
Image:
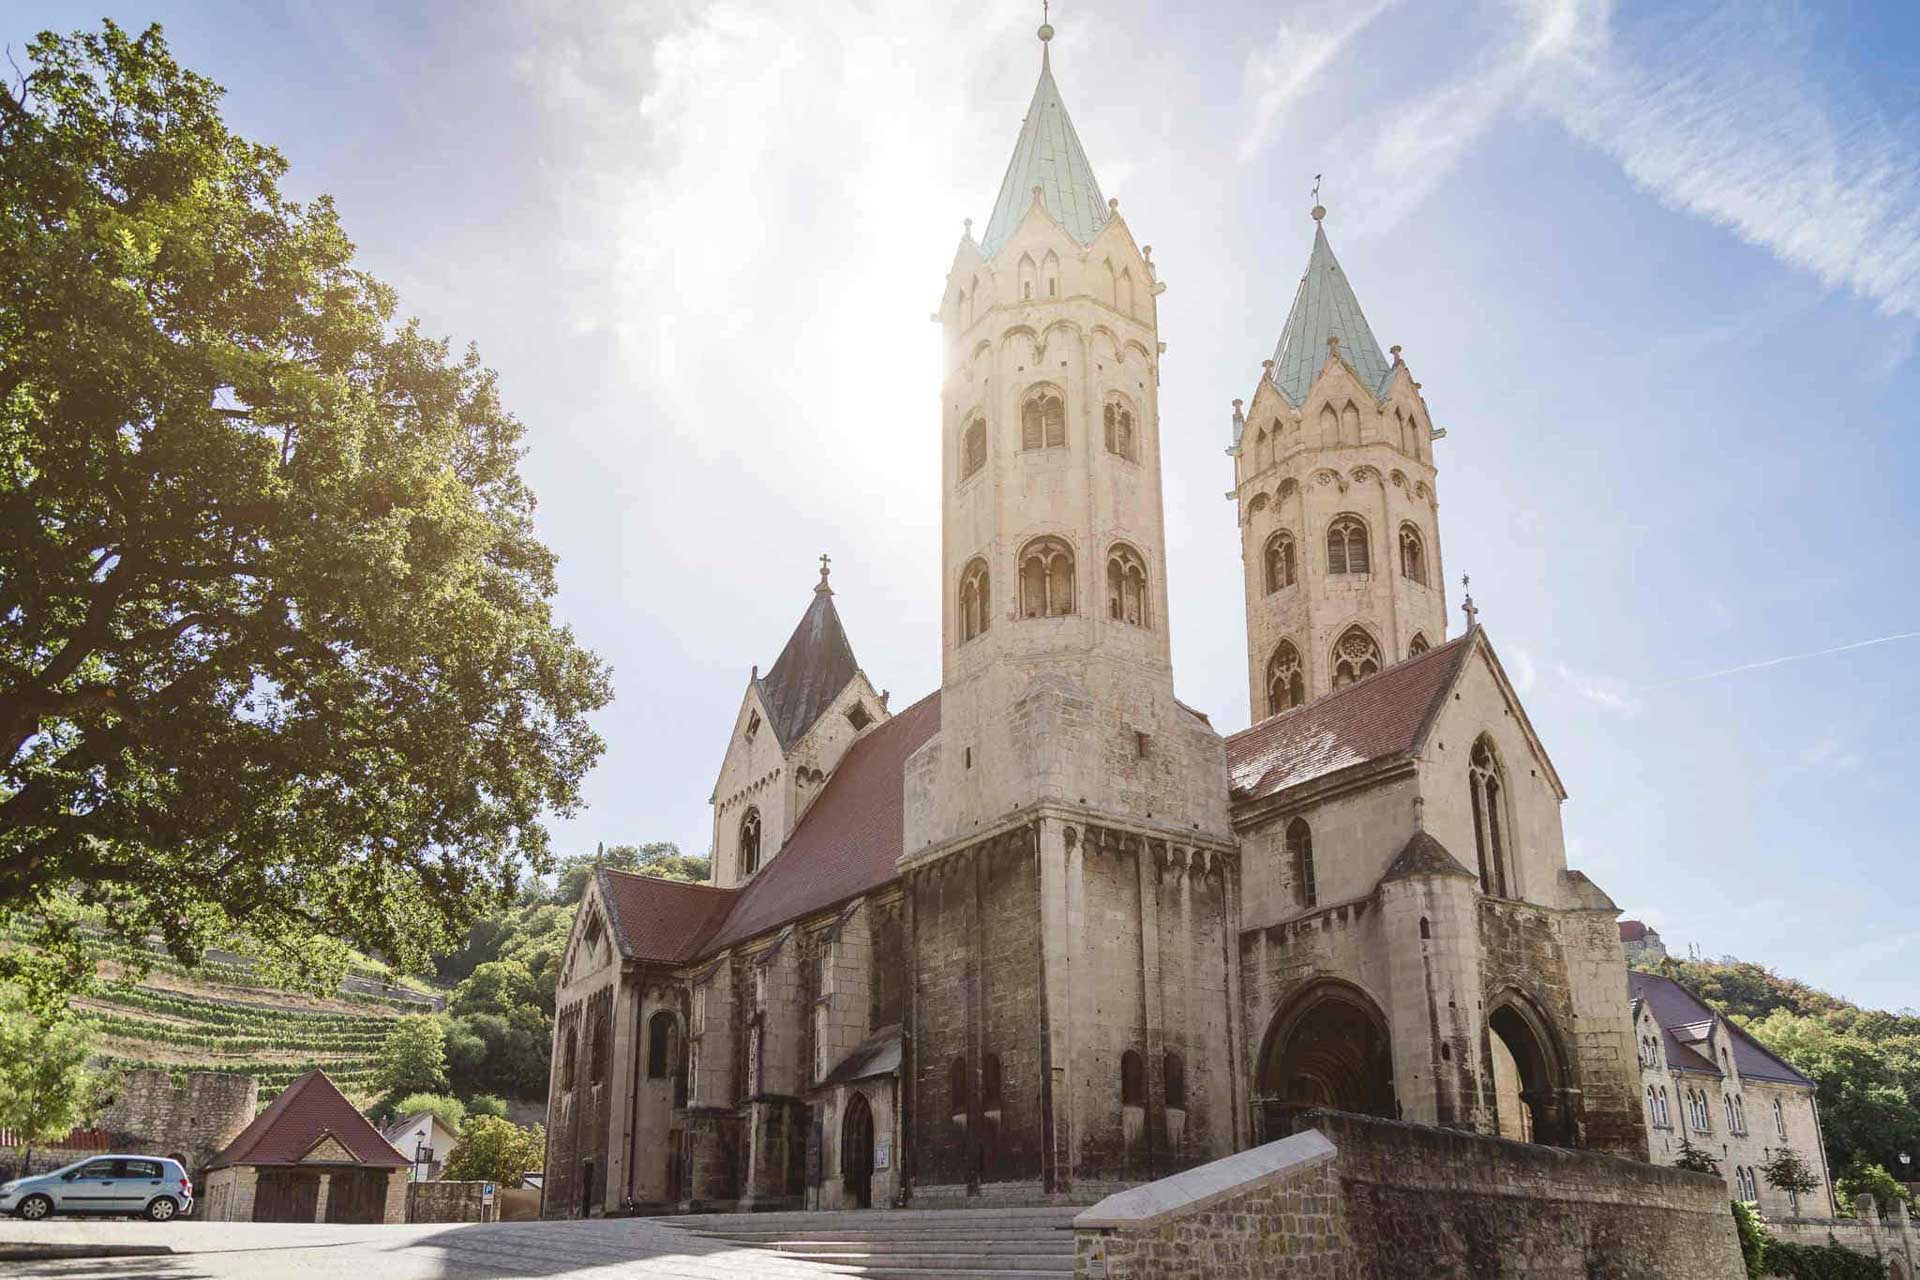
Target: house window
[(976, 601), (1133, 1080), (750, 842), (858, 716), (1127, 599), (1489, 816), (1286, 682), (973, 448), (1413, 555), (753, 724), (1666, 1117), (1356, 657), (1779, 1120), (1281, 563), (1043, 420), (1120, 436), (1347, 550), (1300, 857), (1046, 579)]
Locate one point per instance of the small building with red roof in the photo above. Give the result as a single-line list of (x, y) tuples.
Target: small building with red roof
[(310, 1156)]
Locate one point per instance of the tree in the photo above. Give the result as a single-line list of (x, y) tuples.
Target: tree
[(45, 1086), (1866, 1089), (1866, 1178), (487, 1104), (451, 1111), (492, 1149), (277, 654), (413, 1058), (1785, 1171), (1695, 1159), (1754, 1238), (660, 858), (498, 986)]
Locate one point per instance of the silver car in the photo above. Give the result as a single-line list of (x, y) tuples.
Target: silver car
[(150, 1187)]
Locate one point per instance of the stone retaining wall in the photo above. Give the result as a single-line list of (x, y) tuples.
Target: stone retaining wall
[(1353, 1197), (1891, 1239)]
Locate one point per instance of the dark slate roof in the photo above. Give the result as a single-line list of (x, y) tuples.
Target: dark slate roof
[(1425, 856), (1385, 715), (810, 672), (306, 1111), (1325, 307), (665, 920), (877, 1055), (847, 842), (1676, 1008)]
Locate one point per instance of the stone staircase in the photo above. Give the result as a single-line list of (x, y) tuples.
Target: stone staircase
[(908, 1244)]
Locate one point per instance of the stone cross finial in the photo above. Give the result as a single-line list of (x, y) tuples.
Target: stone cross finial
[(825, 562), (1467, 606)]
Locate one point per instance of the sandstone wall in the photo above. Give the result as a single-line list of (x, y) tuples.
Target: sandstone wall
[(1357, 1197)]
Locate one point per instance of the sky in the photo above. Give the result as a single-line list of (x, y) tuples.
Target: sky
[(1657, 267)]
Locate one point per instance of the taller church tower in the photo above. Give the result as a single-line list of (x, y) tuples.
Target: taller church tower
[(1339, 521), (1067, 849)]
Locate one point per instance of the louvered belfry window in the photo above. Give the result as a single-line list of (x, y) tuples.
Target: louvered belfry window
[(1347, 546)]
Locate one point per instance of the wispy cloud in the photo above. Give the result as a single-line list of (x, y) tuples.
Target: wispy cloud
[(1764, 663), (1302, 46), (1827, 753), (1608, 695)]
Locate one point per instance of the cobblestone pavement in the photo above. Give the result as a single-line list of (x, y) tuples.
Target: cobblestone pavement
[(601, 1249)]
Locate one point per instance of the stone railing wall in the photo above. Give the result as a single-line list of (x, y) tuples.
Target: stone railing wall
[(1351, 1196), (1891, 1239), (448, 1202)]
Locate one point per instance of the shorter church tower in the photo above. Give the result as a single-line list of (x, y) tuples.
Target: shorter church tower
[(1339, 522)]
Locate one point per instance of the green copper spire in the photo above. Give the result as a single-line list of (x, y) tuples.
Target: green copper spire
[(1323, 308), (1048, 156)]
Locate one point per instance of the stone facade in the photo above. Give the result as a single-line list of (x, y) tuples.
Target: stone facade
[(190, 1117), (1046, 933), (1892, 1239), (1355, 1197)]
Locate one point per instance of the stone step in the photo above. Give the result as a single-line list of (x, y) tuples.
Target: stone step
[(924, 1248), (1024, 1215), (892, 1273), (1039, 1240)]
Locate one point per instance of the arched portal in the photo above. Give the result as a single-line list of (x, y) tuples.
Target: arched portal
[(1523, 1048), (856, 1152), (1327, 1047)]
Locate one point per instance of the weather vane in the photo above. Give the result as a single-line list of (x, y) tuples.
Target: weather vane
[(1316, 188)]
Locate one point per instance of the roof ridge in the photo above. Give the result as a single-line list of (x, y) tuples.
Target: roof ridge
[(1405, 664), (685, 884)]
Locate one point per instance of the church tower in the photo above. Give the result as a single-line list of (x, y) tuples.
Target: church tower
[(1339, 522), (1066, 828)]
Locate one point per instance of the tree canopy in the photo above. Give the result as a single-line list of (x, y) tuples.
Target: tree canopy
[(277, 653), (46, 1087), (493, 1149)]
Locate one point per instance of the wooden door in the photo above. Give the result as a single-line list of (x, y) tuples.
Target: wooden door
[(357, 1195), (286, 1195)]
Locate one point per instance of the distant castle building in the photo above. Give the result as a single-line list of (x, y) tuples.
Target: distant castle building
[(1045, 932), (1641, 941)]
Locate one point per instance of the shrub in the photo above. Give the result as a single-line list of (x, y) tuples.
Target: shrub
[(492, 1149), (452, 1112), (1820, 1262), (487, 1104), (1752, 1229)]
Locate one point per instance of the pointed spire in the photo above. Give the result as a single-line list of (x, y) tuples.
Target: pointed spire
[(1325, 318), (813, 668), (1048, 157)]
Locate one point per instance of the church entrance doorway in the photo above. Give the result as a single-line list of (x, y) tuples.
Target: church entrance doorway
[(1327, 1047), (1531, 1099), (856, 1152)]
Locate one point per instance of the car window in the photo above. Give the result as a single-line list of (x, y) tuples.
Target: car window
[(139, 1168), (97, 1169)]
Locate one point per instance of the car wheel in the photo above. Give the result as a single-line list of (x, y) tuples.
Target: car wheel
[(34, 1208), (162, 1210)]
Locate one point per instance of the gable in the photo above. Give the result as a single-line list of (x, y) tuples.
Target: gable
[(1482, 701), (329, 1151)]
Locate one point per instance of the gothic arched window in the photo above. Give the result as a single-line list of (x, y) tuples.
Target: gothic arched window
[(1127, 599), (569, 1057), (1046, 579), (1413, 555), (1286, 680), (1028, 272), (597, 1053), (973, 447), (1347, 550), (1418, 645), (1489, 816), (663, 1037), (1043, 420), (958, 1088), (1120, 438), (750, 842), (1133, 1079), (990, 1084), (1349, 424), (1356, 657), (976, 601), (1050, 273), (1306, 893), (1281, 566), (1176, 1076)]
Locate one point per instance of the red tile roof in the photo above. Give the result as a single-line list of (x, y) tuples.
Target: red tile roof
[(306, 1111), (1632, 931), (1384, 715), (666, 920), (847, 843)]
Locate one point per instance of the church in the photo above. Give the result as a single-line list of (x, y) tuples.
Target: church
[(1045, 932)]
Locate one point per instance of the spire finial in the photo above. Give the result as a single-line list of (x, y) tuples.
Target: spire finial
[(1046, 30), (826, 562), (1319, 210), (1467, 606)]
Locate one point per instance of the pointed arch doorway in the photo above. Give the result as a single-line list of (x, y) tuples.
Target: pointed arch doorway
[(856, 1152), (1532, 1098), (1326, 1047)]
